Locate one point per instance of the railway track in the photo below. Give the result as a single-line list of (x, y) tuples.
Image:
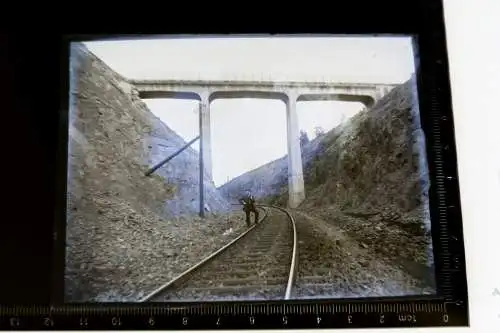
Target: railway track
[(260, 264)]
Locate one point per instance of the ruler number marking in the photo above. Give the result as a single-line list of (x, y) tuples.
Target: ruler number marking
[(116, 321), (48, 322), (84, 322), (14, 322)]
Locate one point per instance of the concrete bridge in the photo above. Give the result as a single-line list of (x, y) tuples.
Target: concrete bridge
[(288, 92)]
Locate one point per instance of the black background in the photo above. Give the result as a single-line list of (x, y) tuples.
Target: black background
[(34, 86)]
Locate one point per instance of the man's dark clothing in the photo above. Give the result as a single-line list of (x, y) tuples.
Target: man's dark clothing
[(249, 206)]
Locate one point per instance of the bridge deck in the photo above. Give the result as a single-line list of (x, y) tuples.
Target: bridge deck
[(284, 84)]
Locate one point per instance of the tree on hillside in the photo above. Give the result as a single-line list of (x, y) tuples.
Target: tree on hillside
[(304, 139), (319, 131)]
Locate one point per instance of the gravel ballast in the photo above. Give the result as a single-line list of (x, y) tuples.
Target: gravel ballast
[(333, 265), (126, 254), (256, 267)]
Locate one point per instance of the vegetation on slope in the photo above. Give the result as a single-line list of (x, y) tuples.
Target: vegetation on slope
[(371, 162), (369, 177)]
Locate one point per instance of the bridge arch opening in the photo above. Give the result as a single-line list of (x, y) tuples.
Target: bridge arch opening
[(180, 115), (173, 148), (366, 100), (248, 95), (246, 133), (178, 95), (317, 120), (316, 117)]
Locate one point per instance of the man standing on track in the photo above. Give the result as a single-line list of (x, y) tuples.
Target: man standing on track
[(248, 202)]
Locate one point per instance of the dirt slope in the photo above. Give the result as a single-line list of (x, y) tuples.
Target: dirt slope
[(369, 178), (123, 237)]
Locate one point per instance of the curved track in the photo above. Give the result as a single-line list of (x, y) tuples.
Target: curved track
[(260, 264)]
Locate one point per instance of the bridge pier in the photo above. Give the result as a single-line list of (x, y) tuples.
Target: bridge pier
[(205, 148), (296, 193), (205, 135), (209, 90)]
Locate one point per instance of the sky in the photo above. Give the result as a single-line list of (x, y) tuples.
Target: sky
[(239, 146)]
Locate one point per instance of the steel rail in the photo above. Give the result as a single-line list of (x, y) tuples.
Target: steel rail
[(295, 257), (203, 261)]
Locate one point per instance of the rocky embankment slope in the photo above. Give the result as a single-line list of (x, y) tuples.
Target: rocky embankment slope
[(369, 178), (126, 233), (268, 180)]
